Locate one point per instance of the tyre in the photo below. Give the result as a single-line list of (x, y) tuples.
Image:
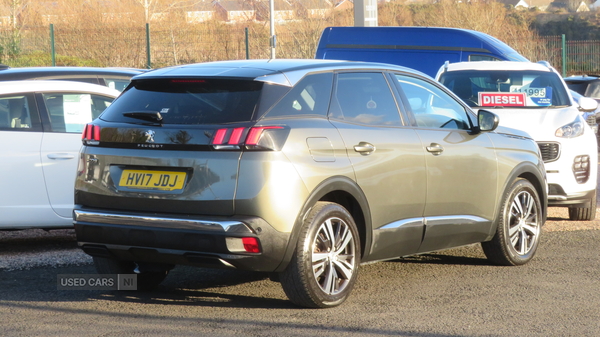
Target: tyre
[(324, 266), (584, 213), (145, 280), (519, 226)]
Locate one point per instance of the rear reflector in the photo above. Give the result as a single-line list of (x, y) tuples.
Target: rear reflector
[(243, 245), (251, 245)]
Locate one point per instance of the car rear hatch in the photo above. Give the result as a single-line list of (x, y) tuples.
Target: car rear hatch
[(167, 143)]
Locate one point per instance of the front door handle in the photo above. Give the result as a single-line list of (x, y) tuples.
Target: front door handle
[(364, 148), (435, 148)]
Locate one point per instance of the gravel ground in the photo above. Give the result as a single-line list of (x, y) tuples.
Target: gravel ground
[(34, 248), (558, 220)]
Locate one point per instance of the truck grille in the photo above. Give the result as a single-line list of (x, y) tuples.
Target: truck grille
[(550, 151)]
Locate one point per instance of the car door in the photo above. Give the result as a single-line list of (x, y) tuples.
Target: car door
[(22, 188), (387, 158), (461, 166), (65, 115)]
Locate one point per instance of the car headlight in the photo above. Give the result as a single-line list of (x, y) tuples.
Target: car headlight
[(571, 130)]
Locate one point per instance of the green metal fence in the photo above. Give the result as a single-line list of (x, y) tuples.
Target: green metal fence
[(142, 47), (572, 57)]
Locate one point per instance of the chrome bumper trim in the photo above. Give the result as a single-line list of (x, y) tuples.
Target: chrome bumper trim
[(161, 222)]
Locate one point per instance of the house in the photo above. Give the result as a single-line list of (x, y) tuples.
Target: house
[(306, 9), (583, 7), (518, 4), (5, 17), (234, 11), (200, 12), (542, 5), (568, 6), (527, 4), (343, 5), (282, 11)]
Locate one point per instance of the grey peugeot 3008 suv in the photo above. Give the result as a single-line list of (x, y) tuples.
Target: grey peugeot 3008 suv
[(303, 169)]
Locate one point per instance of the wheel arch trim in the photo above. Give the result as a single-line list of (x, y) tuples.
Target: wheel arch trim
[(530, 172), (326, 187)]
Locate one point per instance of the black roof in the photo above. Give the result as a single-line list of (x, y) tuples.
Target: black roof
[(582, 78), (257, 68)]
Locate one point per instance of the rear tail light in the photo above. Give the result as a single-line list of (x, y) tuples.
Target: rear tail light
[(91, 134), (249, 138)]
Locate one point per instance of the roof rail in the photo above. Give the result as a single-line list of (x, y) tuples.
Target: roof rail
[(545, 63)]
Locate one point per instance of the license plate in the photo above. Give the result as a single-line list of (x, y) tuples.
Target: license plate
[(152, 180)]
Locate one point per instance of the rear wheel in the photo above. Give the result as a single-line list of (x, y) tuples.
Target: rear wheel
[(146, 280), (519, 226), (584, 213), (324, 266)]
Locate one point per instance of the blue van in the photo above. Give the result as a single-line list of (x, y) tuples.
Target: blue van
[(421, 48)]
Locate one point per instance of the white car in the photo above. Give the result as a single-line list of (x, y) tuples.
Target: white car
[(41, 123), (534, 98)]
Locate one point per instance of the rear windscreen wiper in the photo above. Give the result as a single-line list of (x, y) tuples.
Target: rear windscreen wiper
[(153, 116)]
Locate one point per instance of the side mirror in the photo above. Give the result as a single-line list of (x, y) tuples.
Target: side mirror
[(587, 104), (488, 121)]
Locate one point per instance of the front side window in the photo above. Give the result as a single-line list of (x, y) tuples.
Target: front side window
[(506, 88), (593, 90), (116, 83), (364, 98), (15, 113), (70, 112), (431, 106)]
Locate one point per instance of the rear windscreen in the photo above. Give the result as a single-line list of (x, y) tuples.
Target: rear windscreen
[(188, 101)]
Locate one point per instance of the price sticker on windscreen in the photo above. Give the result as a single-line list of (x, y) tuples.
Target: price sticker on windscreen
[(541, 96), (501, 99)]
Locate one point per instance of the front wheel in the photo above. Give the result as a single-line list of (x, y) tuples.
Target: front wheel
[(584, 213), (519, 226), (324, 266)]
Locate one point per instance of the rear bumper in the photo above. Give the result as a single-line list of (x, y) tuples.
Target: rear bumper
[(168, 239)]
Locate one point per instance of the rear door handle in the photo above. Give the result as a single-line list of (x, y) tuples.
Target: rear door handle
[(435, 148), (60, 156), (364, 148)]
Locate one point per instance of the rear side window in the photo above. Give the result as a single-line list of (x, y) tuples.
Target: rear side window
[(17, 113), (70, 112), (189, 101), (309, 97)]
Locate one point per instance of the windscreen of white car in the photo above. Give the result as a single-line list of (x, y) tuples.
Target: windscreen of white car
[(504, 88)]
